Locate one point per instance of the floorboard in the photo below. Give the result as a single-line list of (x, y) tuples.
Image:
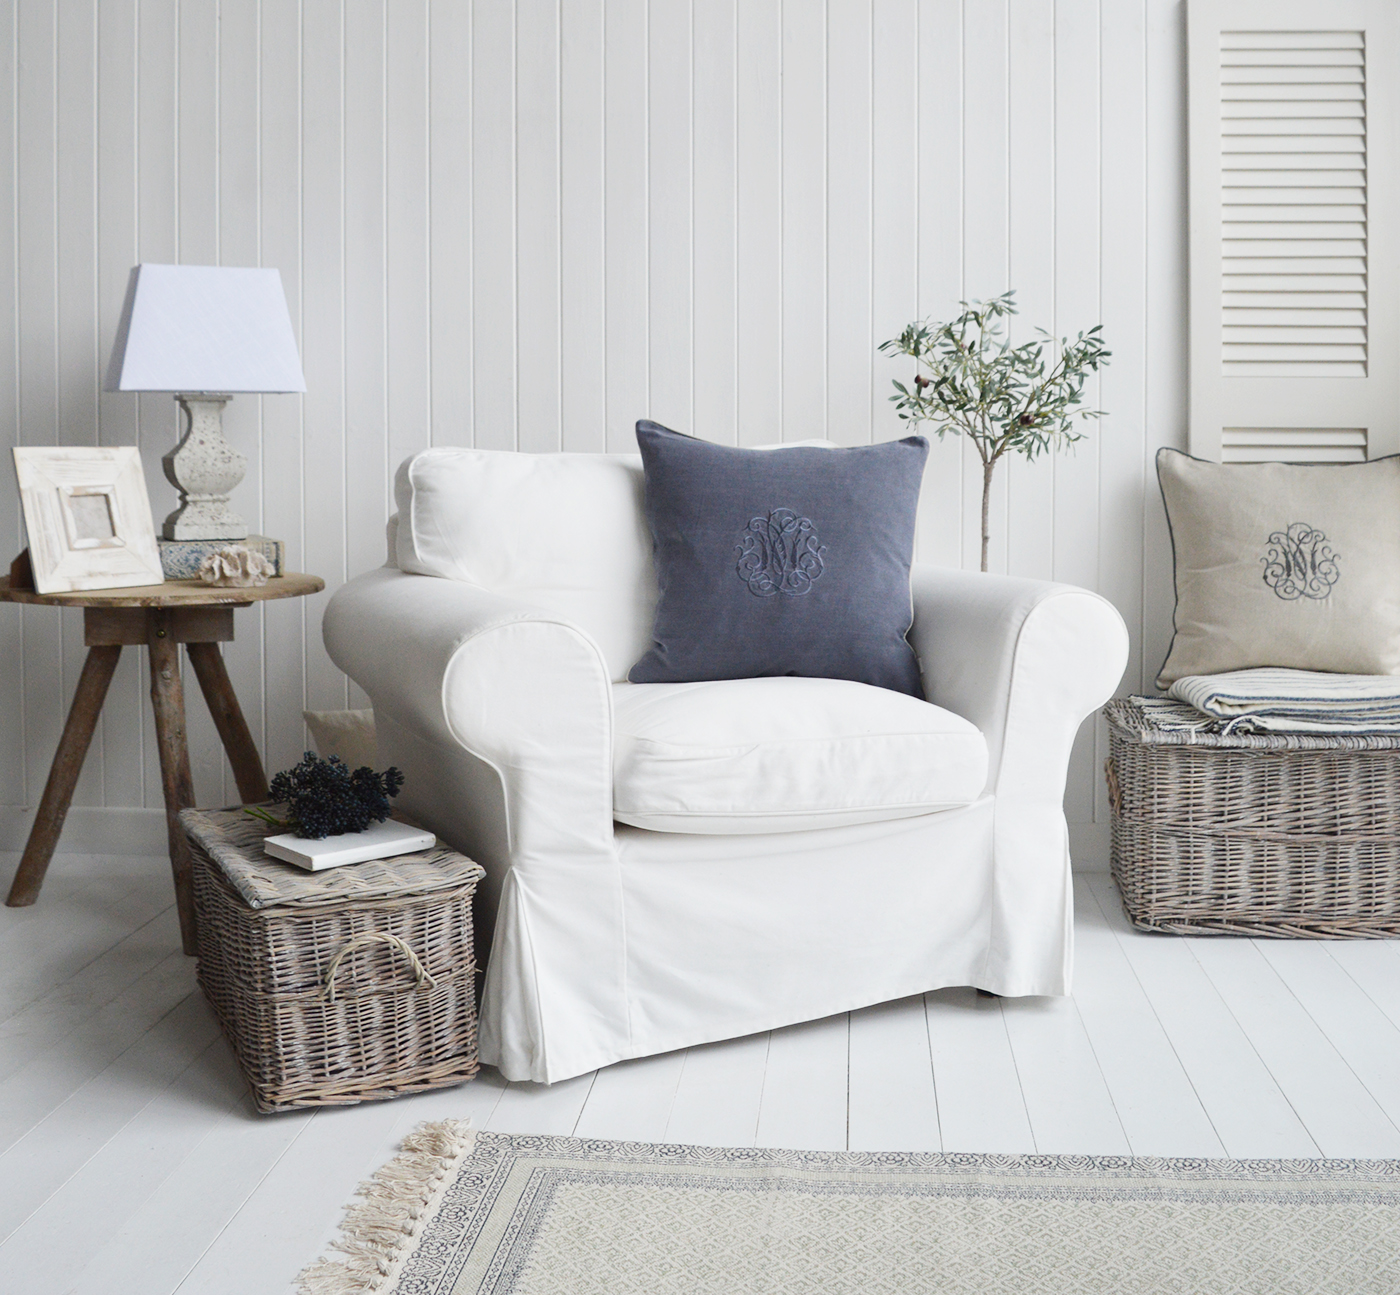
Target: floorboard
[(893, 1103), (132, 1163), (632, 1100), (50, 1077), (720, 1094), (54, 1016), (980, 1103), (40, 1162), (1333, 1104), (1247, 1108), (541, 1108), (804, 1086), (1160, 1110)]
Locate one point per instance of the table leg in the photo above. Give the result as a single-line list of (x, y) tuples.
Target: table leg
[(168, 702), (63, 774), (214, 682)]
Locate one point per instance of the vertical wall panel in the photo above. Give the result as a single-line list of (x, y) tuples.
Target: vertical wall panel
[(582, 368), (986, 218), (198, 150), (239, 194), (526, 224), (625, 230), (759, 207), (848, 248), (493, 272), (714, 221), (407, 277), (669, 170), (325, 94), (1030, 486), (450, 309), (366, 275), (1164, 394), (894, 205), (1122, 385), (157, 239), (280, 237), (36, 93), (1078, 216), (939, 161), (13, 785), (538, 337), (803, 249), (75, 292)]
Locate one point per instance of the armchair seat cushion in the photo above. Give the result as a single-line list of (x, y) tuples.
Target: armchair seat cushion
[(786, 754)]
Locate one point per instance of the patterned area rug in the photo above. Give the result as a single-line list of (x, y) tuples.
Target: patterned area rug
[(463, 1213)]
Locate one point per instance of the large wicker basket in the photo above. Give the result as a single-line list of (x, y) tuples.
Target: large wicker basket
[(340, 986), (1247, 834)]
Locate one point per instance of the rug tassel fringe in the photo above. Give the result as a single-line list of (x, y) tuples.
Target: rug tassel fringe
[(376, 1232)]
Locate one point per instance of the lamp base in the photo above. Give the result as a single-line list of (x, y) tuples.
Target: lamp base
[(204, 467)]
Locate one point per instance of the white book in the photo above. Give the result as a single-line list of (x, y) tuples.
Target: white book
[(378, 841)]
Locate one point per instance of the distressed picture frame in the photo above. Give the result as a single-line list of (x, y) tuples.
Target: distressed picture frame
[(88, 517)]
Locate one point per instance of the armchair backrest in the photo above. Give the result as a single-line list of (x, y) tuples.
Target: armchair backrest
[(565, 532)]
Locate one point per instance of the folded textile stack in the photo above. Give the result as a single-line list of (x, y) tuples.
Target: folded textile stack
[(1294, 701)]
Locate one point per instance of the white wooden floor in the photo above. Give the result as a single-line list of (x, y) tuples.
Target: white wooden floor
[(131, 1162)]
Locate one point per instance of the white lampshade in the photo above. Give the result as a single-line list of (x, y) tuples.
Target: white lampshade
[(213, 328)]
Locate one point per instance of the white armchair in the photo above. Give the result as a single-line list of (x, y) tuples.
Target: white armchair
[(493, 645)]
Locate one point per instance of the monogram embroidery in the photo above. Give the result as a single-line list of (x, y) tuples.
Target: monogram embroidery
[(1299, 563), (780, 554)]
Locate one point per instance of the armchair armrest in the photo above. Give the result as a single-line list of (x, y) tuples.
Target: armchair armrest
[(1024, 660), (452, 667)]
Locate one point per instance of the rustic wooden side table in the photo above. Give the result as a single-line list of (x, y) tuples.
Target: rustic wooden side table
[(161, 616)]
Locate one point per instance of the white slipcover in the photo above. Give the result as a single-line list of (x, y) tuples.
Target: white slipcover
[(494, 695)]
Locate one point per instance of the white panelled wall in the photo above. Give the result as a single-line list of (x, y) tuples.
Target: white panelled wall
[(525, 225)]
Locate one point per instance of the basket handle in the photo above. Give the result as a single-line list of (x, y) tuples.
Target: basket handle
[(375, 937), (1115, 792)]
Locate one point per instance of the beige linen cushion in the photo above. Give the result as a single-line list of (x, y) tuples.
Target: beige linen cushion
[(348, 734), (1282, 564)]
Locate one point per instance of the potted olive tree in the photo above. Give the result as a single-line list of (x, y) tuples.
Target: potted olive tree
[(971, 380)]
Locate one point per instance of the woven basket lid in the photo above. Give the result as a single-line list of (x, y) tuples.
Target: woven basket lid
[(233, 841)]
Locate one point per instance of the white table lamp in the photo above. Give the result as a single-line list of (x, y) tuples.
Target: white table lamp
[(204, 332)]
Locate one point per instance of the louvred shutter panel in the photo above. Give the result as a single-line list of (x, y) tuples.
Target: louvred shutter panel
[(1294, 246)]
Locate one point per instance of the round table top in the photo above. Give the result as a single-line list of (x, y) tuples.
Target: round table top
[(173, 593)]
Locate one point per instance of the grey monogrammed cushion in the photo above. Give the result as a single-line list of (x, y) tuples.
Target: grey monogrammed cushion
[(1283, 565), (781, 562)]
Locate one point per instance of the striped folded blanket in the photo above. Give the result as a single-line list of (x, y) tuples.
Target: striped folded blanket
[(1294, 701)]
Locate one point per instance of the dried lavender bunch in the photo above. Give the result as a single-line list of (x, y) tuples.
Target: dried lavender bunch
[(324, 798)]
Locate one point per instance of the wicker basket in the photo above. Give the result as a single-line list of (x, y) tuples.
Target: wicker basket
[(1284, 835), (341, 986)]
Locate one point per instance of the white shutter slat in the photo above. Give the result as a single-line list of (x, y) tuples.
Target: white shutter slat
[(1324, 210), (1355, 283), (1232, 40), (1239, 75), (1245, 197), (1294, 335), (1282, 300), (1276, 315), (1278, 92), (1314, 60), (1354, 266), (1293, 215)]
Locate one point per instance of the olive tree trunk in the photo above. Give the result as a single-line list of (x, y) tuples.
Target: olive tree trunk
[(987, 469)]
